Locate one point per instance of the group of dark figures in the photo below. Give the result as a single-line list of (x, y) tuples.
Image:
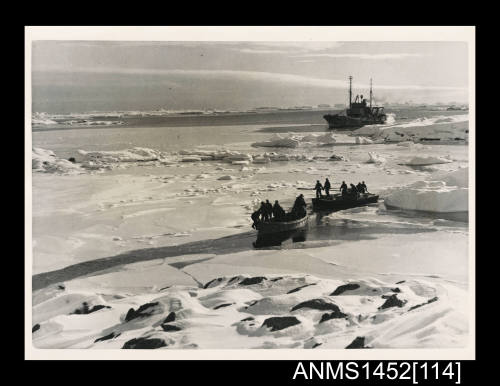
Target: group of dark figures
[(270, 212), (353, 191)]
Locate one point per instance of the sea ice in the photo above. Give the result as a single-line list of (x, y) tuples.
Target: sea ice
[(449, 193), (278, 141), (374, 158), (423, 161), (363, 141), (46, 161)]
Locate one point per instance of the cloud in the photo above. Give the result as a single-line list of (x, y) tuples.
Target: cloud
[(361, 56), (236, 75), (286, 47)]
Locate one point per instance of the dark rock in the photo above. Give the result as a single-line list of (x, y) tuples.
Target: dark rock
[(253, 280), (359, 342), (222, 305), (401, 282), (252, 303), (219, 279), (144, 343), (84, 309), (299, 288), (392, 301), (147, 309), (164, 288), (248, 319), (397, 290), (423, 304), (107, 337), (234, 278), (332, 315), (36, 327), (97, 308), (346, 287), (316, 345), (280, 322), (72, 159), (170, 327), (317, 304), (276, 278), (61, 287), (170, 318)]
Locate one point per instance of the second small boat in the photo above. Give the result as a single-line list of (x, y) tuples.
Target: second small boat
[(338, 202)]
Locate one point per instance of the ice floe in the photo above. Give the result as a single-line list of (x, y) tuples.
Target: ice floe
[(363, 141), (441, 128), (278, 141), (293, 141), (424, 161), (46, 161), (374, 158), (446, 193)]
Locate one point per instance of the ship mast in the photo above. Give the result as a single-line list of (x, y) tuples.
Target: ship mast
[(371, 93), (350, 91)]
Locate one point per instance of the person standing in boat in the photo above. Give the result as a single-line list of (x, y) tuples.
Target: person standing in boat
[(354, 191), (365, 189), (278, 211), (269, 208), (300, 202), (360, 188), (299, 207), (343, 189), (255, 218), (263, 211), (327, 186), (318, 189)]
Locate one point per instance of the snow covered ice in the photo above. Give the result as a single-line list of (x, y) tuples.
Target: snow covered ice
[(145, 241), (446, 193)]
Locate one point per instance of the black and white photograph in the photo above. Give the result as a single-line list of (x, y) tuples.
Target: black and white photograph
[(233, 188)]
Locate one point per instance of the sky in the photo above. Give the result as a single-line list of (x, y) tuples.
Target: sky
[(82, 76)]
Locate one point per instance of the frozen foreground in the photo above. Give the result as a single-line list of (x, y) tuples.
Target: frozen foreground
[(150, 247), (285, 311)]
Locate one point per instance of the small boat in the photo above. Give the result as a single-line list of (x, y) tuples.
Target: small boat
[(337, 202), (265, 227)]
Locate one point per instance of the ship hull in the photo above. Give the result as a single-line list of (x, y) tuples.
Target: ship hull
[(341, 122)]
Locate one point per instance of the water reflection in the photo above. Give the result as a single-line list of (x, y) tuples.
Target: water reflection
[(276, 239)]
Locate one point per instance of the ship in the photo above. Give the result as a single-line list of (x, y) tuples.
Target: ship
[(360, 113)]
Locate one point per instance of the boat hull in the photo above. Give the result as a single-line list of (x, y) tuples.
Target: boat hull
[(281, 226), (341, 122), (337, 202)]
